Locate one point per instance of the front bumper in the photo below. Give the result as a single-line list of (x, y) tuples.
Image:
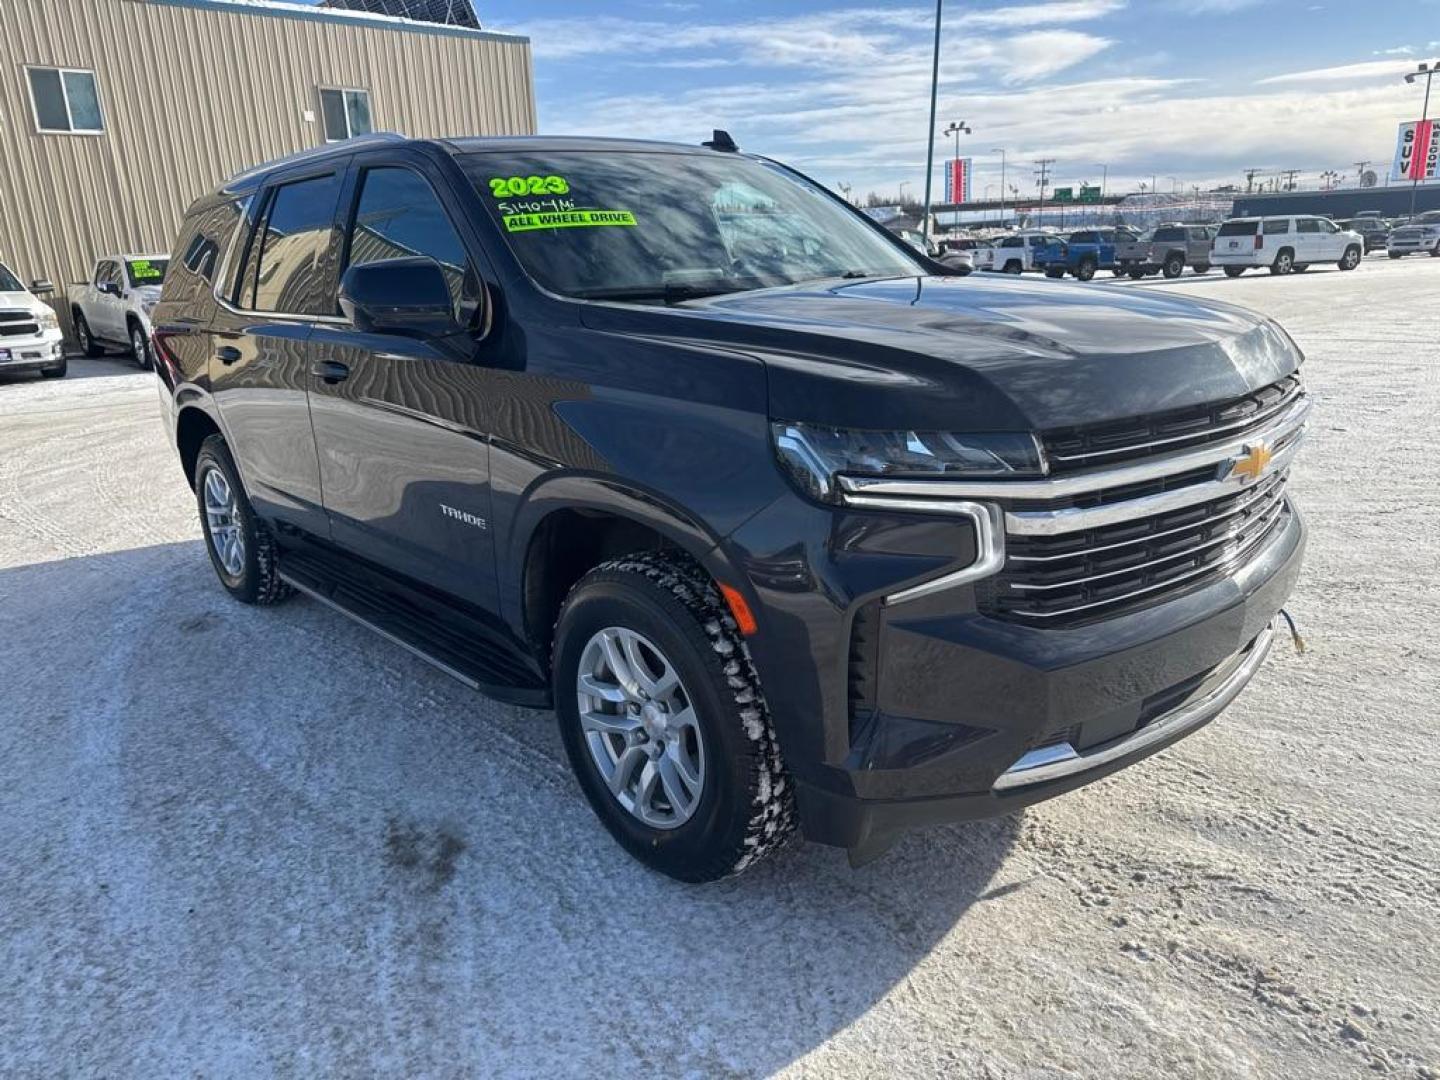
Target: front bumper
[(977, 717), (45, 351)]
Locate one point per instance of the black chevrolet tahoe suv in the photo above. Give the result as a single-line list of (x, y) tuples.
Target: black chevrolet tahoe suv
[(791, 529)]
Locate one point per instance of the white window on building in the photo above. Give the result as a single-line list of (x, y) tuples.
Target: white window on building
[(346, 113), (65, 100)]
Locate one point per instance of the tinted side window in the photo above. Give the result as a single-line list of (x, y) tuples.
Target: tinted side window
[(1306, 225), (292, 252), (1169, 236), (1277, 226), (200, 251), (399, 216)]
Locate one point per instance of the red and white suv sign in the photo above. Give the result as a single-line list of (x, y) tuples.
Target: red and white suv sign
[(1417, 154)]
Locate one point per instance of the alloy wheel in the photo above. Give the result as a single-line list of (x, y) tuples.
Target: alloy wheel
[(640, 726), (222, 517), (139, 347)]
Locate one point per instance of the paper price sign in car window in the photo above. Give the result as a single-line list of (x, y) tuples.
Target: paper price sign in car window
[(569, 219), (142, 270)]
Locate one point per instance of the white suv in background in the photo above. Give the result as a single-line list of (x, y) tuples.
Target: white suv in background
[(1014, 254), (30, 338), (1284, 245)]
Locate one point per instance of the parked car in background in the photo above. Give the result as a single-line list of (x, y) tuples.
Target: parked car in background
[(1420, 233), (961, 260), (113, 307), (1015, 254), (789, 535), (30, 337), (1284, 245), (1083, 252), (1374, 229), (1169, 249)]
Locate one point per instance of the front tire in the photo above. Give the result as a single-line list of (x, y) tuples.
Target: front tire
[(1397, 254), (1234, 271), (664, 722), (88, 345), (1351, 259), (240, 546)]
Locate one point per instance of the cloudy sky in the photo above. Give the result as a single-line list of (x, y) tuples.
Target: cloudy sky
[(1194, 89)]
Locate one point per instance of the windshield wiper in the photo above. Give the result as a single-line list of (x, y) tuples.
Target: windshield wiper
[(671, 294)]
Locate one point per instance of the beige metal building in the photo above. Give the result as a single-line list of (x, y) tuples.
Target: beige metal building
[(116, 114)]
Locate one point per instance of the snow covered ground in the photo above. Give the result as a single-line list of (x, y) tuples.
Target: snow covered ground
[(239, 842)]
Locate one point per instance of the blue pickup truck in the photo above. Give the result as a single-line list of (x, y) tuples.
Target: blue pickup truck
[(1083, 253)]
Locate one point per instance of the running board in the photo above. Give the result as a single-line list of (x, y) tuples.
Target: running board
[(443, 636)]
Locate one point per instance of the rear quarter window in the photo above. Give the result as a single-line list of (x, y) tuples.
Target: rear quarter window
[(205, 239), (1239, 228)]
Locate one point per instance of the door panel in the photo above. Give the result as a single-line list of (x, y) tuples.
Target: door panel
[(260, 346), (403, 443), (405, 460)]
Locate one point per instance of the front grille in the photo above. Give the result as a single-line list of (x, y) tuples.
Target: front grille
[(18, 324), (1072, 449), (1079, 575)]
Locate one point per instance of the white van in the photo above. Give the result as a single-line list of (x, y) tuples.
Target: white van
[(1284, 245)]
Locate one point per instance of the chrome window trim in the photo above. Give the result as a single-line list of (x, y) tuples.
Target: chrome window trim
[(1053, 763), (989, 543), (1292, 421)]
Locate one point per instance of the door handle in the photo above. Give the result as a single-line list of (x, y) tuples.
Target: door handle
[(228, 354), (330, 371)]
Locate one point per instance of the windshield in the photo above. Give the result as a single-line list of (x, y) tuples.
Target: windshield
[(8, 281), (638, 225), (146, 271)]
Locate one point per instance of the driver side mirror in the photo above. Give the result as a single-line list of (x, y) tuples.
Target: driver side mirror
[(398, 296), (109, 288), (41, 287)]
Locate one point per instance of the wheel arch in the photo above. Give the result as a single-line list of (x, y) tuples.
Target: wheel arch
[(193, 425), (572, 523)]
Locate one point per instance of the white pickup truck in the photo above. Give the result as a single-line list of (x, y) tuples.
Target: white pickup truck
[(30, 338), (113, 307)]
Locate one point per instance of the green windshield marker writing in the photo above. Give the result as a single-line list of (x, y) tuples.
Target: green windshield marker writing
[(569, 219)]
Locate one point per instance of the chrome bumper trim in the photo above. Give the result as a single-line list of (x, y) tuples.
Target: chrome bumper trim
[(989, 542), (1062, 760)]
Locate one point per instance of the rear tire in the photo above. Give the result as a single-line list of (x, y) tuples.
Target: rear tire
[(1086, 270), (88, 345), (57, 372), (1203, 268), (1051, 272), (664, 621), (1397, 254), (1173, 266), (1234, 271), (1136, 274), (1300, 268), (1013, 268), (1284, 263), (245, 558)]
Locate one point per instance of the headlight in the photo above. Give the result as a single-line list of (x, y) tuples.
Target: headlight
[(814, 455), (48, 320)]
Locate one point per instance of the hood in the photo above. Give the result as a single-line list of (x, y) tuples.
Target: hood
[(26, 300), (977, 353)]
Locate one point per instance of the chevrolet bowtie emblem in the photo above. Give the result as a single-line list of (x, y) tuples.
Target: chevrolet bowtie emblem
[(1252, 465)]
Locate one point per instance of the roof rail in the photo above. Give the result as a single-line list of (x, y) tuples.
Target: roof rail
[(317, 153)]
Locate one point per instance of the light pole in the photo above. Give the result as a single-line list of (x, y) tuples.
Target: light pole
[(1001, 151), (930, 141), (1104, 180), (1417, 165)]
